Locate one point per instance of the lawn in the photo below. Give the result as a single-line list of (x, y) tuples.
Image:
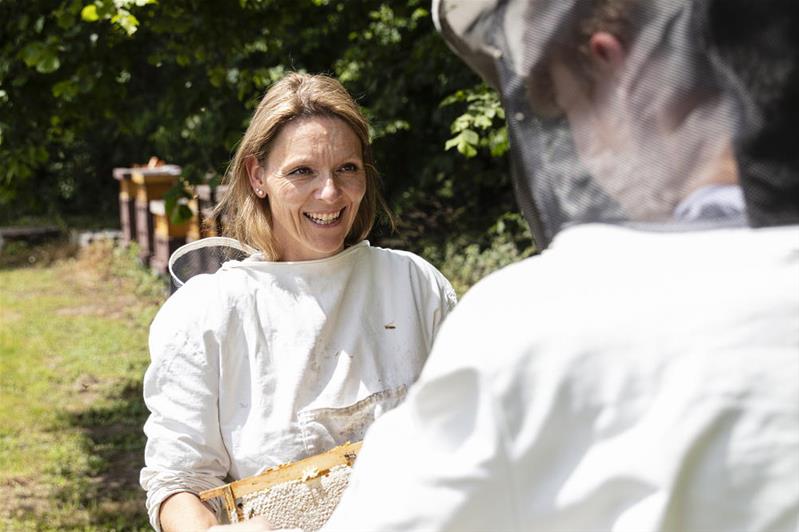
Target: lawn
[(73, 349)]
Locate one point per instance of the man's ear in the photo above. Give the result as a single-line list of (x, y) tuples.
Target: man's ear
[(256, 174), (607, 51)]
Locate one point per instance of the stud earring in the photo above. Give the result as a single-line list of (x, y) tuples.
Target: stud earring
[(259, 192)]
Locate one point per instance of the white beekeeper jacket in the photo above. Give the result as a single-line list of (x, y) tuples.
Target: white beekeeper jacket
[(623, 380), (264, 363)]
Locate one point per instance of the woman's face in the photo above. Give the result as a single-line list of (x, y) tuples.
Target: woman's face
[(314, 178)]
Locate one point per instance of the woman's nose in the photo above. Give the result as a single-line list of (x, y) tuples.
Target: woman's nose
[(329, 189)]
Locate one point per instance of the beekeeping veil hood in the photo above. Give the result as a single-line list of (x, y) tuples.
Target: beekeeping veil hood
[(204, 256), (645, 113)]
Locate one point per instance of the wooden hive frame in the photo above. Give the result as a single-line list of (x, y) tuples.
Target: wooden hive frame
[(305, 470)]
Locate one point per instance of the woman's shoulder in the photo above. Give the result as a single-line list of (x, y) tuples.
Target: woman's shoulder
[(401, 258), (220, 287), (398, 263), (204, 300)]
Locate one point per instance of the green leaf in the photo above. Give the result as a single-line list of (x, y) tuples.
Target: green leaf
[(451, 143), (455, 97), (66, 89), (462, 122), (482, 121), (216, 76), (171, 199), (40, 56), (467, 150), (49, 63), (466, 142), (419, 13), (470, 137), (89, 13), (174, 204), (33, 53), (181, 214), (126, 21)]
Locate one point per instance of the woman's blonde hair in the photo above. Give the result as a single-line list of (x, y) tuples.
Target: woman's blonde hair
[(247, 217)]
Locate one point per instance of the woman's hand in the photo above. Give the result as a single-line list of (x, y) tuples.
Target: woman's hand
[(184, 511)]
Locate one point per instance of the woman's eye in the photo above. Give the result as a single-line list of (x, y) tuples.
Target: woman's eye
[(302, 170), (349, 167)]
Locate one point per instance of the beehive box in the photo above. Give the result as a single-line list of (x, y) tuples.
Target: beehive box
[(167, 236), (150, 184)]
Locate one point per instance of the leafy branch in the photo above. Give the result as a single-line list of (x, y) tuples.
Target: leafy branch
[(116, 11), (483, 111)]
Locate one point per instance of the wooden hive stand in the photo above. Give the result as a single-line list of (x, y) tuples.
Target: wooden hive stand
[(207, 197), (206, 201), (127, 207)]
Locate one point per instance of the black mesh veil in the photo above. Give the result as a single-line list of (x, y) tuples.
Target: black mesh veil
[(204, 256), (629, 111)]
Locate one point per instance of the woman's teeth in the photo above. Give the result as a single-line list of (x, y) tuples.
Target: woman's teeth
[(324, 218)]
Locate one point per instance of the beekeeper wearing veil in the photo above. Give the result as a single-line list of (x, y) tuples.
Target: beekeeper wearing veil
[(642, 372)]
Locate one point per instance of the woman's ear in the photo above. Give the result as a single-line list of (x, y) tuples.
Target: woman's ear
[(256, 174), (607, 51)]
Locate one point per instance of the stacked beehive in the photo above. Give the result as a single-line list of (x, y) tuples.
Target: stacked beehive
[(144, 218)]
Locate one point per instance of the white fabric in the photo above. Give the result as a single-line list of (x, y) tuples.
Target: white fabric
[(264, 363), (713, 202), (623, 380)]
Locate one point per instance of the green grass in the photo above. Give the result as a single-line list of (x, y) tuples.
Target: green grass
[(73, 349)]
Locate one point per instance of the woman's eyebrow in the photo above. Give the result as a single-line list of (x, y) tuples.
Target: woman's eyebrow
[(297, 161)]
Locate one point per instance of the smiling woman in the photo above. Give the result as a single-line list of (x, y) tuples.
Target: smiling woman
[(301, 346)]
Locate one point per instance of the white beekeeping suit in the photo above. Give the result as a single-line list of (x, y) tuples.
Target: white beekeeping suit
[(642, 372)]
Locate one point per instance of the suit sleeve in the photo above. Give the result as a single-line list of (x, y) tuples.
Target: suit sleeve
[(184, 451)]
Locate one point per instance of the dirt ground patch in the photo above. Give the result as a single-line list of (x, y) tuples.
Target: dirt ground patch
[(25, 497)]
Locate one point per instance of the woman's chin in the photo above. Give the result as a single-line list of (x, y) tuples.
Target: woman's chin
[(328, 240)]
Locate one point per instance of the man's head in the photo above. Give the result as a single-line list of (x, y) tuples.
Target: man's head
[(618, 109), (593, 39), (644, 125)]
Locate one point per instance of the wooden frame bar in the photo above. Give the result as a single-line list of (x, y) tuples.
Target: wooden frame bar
[(305, 470)]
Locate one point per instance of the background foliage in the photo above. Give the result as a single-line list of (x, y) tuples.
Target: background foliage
[(89, 85), (86, 86)]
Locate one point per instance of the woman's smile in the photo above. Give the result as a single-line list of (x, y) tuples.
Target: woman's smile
[(325, 218)]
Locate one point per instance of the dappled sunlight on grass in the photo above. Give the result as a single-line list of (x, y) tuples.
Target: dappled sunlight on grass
[(73, 349)]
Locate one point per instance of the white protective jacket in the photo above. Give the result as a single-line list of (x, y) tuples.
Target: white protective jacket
[(264, 363), (623, 380)]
